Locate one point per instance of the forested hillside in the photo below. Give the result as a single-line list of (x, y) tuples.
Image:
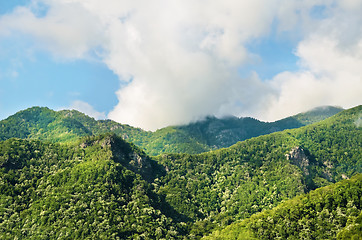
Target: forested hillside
[(67, 125), (103, 187), (332, 212), (98, 188), (202, 136), (219, 133), (257, 174)]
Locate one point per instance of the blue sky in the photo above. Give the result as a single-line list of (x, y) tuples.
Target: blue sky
[(38, 79), (147, 67), (41, 80)]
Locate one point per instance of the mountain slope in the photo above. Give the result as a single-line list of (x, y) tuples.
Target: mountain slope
[(45, 124), (232, 184), (315, 115), (211, 133), (102, 187), (94, 189), (219, 133), (332, 212)]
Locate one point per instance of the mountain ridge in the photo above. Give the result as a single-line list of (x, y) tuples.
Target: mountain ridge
[(202, 136), (93, 188), (231, 184), (103, 187)]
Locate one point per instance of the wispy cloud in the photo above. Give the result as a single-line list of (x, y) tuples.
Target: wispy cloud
[(86, 108), (330, 65), (180, 59)]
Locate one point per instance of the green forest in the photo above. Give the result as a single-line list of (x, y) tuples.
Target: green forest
[(331, 212), (205, 135), (65, 175)]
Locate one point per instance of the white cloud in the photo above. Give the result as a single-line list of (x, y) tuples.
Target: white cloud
[(67, 30), (331, 72), (180, 59), (86, 108)]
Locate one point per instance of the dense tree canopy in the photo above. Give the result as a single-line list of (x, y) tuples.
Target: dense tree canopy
[(202, 136), (78, 191), (332, 212), (104, 187)]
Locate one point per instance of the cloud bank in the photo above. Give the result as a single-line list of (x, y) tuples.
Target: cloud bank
[(179, 61)]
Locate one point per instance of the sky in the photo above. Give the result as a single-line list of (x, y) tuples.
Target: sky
[(152, 64)]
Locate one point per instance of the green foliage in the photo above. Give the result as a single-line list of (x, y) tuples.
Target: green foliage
[(316, 115), (77, 191), (255, 175), (332, 212), (202, 136), (101, 187)]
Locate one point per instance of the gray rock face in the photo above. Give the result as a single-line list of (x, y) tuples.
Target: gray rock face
[(298, 157)]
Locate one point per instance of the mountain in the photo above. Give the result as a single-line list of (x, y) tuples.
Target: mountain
[(67, 125), (97, 188), (101, 187), (332, 212), (220, 133), (231, 184), (202, 136), (315, 115)]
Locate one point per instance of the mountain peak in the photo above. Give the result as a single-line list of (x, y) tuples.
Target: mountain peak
[(201, 136)]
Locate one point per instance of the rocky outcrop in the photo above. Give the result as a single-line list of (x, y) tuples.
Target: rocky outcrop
[(126, 154), (298, 157), (130, 156)]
